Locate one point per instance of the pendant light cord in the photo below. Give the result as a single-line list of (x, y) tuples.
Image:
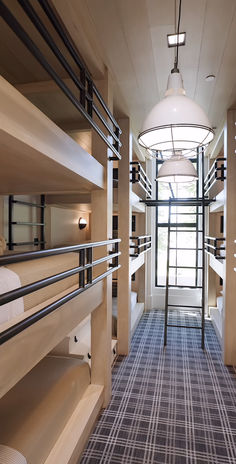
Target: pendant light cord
[(177, 32)]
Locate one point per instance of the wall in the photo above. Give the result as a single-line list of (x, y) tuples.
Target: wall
[(62, 226)]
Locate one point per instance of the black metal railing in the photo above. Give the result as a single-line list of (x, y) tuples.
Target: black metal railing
[(215, 173), (213, 246), (90, 102), (85, 278), (142, 244), (139, 176)]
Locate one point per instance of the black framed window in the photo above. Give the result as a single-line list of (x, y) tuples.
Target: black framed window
[(186, 241)]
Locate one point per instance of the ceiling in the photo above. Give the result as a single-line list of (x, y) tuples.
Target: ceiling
[(129, 38)]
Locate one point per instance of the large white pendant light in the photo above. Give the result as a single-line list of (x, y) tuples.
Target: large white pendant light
[(176, 123), (177, 169)]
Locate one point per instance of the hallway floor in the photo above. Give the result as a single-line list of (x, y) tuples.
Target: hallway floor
[(172, 406)]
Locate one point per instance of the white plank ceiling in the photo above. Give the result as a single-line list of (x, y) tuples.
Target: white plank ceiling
[(129, 37)]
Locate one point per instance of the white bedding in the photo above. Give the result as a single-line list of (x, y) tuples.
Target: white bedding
[(11, 456), (219, 301), (9, 280)]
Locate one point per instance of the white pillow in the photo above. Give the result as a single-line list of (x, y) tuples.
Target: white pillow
[(11, 456)]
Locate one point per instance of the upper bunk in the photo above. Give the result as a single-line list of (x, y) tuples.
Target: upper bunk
[(37, 156), (214, 183), (44, 296), (47, 98)]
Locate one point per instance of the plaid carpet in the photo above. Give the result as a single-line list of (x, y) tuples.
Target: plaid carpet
[(171, 406)]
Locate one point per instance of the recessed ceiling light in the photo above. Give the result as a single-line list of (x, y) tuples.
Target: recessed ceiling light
[(210, 78), (174, 39)]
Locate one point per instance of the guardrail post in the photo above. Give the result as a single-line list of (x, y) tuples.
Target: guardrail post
[(138, 245), (90, 269), (81, 263)]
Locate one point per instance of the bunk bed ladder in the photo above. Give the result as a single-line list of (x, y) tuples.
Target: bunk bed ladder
[(11, 223), (173, 227)]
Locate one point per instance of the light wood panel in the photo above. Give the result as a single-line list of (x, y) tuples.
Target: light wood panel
[(101, 229), (72, 440), (38, 157)]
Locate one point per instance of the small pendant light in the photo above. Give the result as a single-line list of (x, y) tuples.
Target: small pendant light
[(177, 169)]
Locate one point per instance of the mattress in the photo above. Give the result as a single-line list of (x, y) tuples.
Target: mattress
[(35, 411), (37, 269), (222, 250), (9, 280), (11, 456), (219, 303), (133, 301)]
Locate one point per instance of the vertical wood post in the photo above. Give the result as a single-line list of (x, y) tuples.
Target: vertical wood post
[(124, 232), (229, 322), (101, 229)]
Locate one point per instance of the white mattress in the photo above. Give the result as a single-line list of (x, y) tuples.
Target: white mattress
[(9, 280), (222, 252), (133, 301), (219, 301)]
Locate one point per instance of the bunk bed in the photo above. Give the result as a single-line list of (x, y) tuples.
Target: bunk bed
[(215, 246), (130, 186), (47, 294)]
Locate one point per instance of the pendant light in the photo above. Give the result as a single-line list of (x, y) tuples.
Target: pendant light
[(177, 169), (176, 123)]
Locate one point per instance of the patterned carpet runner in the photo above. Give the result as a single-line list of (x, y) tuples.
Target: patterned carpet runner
[(172, 406)]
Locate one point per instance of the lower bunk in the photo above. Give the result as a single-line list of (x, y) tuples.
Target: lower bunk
[(216, 313), (49, 400), (48, 414), (78, 341)]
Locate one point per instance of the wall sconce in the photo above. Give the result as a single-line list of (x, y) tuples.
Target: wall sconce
[(82, 223)]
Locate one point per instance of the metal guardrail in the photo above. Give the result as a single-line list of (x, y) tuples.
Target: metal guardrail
[(212, 246), (85, 279), (90, 101), (143, 244), (215, 173), (138, 175)]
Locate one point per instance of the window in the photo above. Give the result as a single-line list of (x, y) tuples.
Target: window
[(185, 238)]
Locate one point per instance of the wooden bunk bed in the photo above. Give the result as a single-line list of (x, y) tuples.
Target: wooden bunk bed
[(220, 186), (57, 293)]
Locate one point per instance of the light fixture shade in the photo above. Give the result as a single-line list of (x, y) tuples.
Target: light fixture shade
[(82, 223), (177, 169), (176, 123)]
